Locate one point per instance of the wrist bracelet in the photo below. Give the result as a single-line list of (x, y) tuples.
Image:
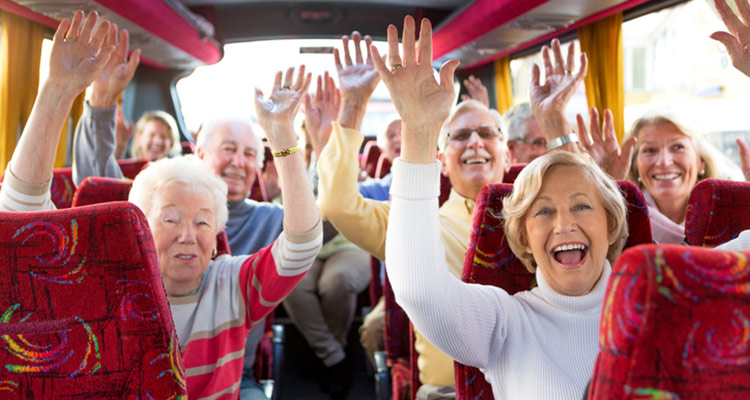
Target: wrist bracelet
[(562, 141), (285, 152)]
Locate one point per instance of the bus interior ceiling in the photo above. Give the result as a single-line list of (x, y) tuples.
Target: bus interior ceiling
[(177, 36)]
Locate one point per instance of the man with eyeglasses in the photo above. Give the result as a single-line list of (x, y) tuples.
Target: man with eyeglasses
[(473, 151), (525, 139)]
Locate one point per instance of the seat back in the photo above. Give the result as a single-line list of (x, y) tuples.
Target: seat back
[(512, 174), (490, 261), (84, 308), (370, 157), (383, 167), (132, 166), (258, 190), (675, 325), (63, 189), (717, 212), (97, 189), (188, 147)]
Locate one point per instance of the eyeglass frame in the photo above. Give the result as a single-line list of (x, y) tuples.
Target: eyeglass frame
[(498, 133), (538, 142)]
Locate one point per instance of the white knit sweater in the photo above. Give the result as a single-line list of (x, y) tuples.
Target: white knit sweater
[(537, 344)]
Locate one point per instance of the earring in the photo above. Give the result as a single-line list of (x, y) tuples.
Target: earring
[(703, 172), (214, 252), (638, 179)]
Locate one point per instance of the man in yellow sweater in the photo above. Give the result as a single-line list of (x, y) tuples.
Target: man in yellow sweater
[(473, 151)]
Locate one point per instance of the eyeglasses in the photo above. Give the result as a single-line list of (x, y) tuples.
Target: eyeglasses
[(538, 142), (485, 133)]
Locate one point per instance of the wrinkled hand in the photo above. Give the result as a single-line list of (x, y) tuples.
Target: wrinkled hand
[(117, 72), (276, 114), (477, 91), (320, 110), (123, 132), (744, 158), (422, 102), (356, 80), (603, 147), (738, 41), (78, 54), (548, 100)]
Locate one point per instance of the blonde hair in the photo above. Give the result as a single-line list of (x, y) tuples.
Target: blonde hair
[(716, 165), (462, 108), (188, 170), (164, 118), (529, 183)]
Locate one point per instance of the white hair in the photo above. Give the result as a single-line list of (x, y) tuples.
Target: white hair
[(516, 119), (188, 170), (464, 107), (382, 138), (207, 131)]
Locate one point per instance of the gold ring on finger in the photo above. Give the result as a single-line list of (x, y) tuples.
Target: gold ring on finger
[(286, 87), (393, 68)]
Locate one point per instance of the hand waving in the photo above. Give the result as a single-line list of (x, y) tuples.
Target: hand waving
[(477, 90), (738, 41), (276, 114), (360, 79), (422, 102), (603, 146), (548, 100), (78, 54), (320, 110), (117, 72)]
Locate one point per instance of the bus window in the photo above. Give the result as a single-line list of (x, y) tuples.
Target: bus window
[(226, 88), (670, 63), (520, 71)]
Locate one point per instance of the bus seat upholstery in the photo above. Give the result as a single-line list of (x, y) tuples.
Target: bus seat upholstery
[(97, 189), (132, 166), (258, 190), (512, 174), (718, 210), (383, 168), (187, 147), (62, 189), (85, 312), (396, 340), (675, 325), (490, 261), (370, 157)]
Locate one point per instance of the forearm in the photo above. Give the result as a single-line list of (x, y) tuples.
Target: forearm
[(352, 111), (554, 125), (94, 145), (300, 211), (34, 155), (435, 301), (362, 221)]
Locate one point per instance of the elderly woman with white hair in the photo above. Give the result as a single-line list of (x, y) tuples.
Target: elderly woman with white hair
[(565, 220), (214, 303)]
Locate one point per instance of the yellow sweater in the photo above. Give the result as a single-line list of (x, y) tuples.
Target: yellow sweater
[(364, 223)]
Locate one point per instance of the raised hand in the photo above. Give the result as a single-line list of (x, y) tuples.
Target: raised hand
[(737, 40), (117, 72), (422, 102), (356, 79), (320, 110), (477, 91), (123, 132), (744, 158), (602, 144), (78, 53), (276, 114), (548, 100)]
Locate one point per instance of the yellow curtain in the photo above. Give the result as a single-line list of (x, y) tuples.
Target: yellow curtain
[(65, 145), (20, 53), (602, 42), (503, 85)]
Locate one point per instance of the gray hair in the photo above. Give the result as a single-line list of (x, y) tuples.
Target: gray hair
[(188, 170), (463, 107), (516, 119), (207, 131)]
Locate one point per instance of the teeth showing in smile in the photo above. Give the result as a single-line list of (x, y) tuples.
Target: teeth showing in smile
[(566, 247), (475, 161), (666, 177), (185, 257)]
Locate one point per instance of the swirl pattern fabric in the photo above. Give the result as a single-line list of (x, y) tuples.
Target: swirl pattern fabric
[(84, 312), (718, 210), (490, 261), (675, 325)]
